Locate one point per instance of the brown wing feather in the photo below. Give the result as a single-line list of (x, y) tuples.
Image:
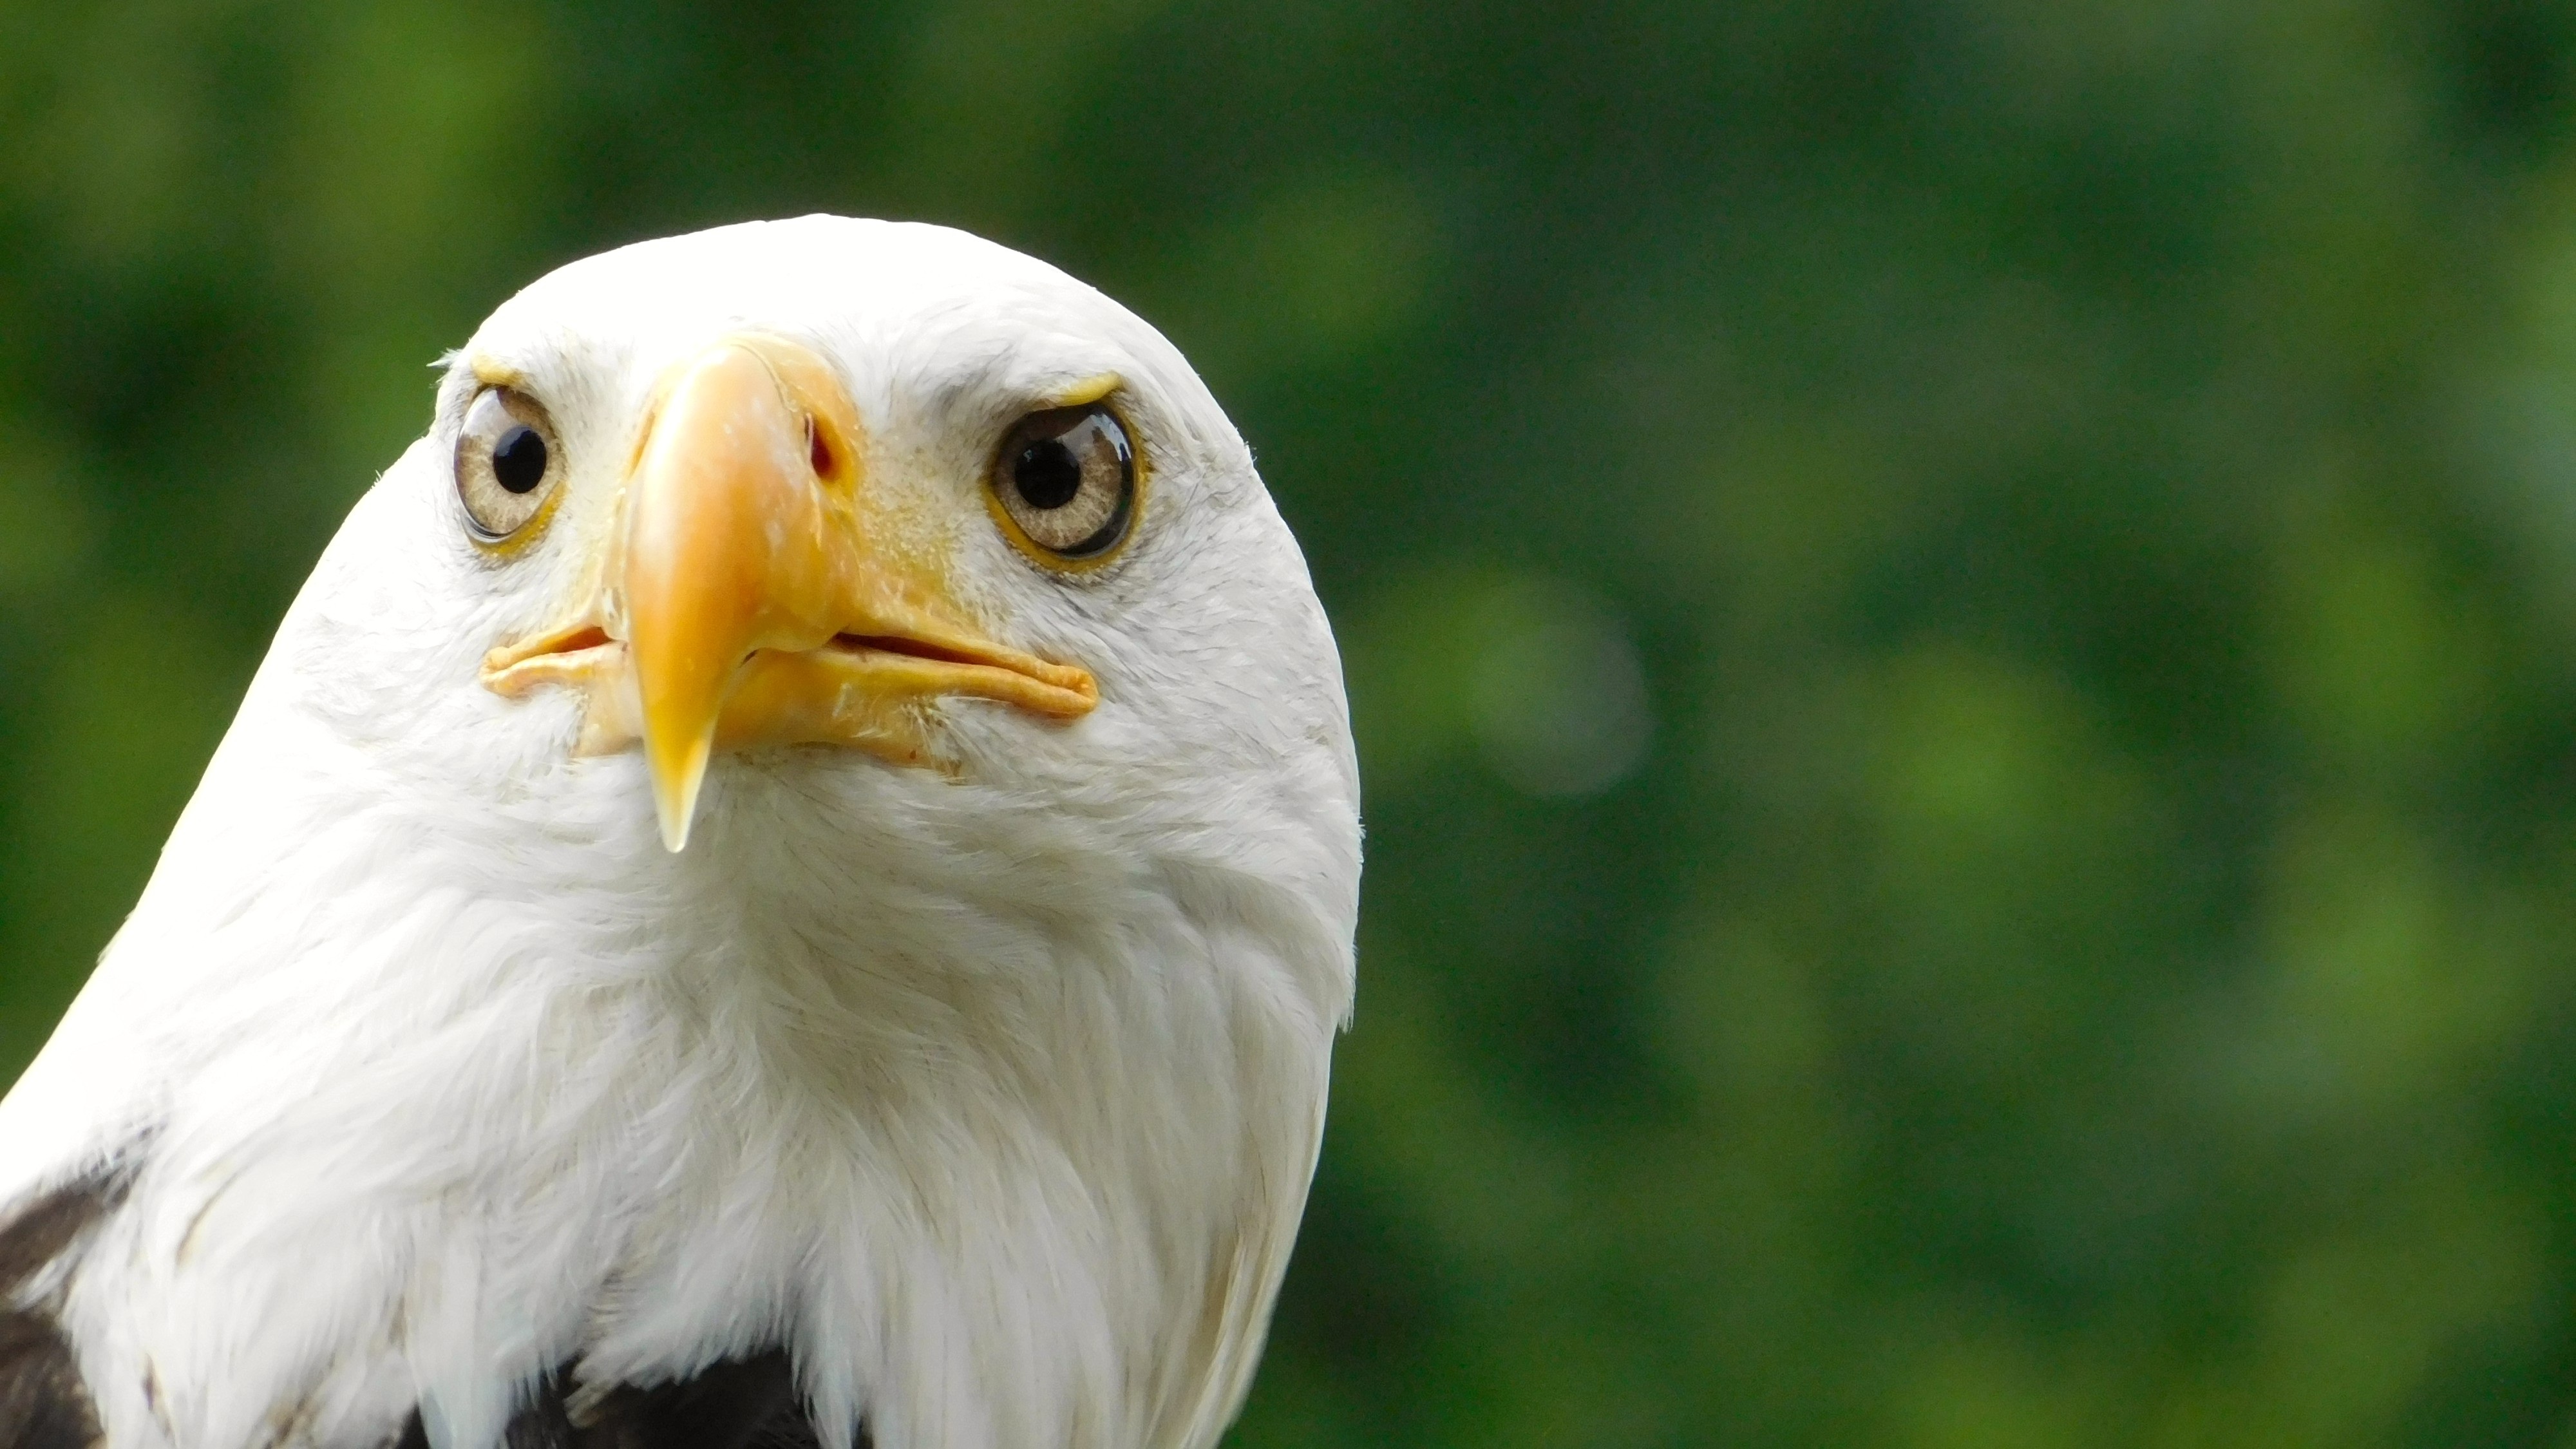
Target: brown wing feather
[(43, 1403), (745, 1403)]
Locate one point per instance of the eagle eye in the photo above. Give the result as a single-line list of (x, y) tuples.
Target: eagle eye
[(508, 463), (1065, 479)]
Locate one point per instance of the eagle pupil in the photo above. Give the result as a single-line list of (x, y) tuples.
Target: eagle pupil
[(519, 459), (1047, 474)]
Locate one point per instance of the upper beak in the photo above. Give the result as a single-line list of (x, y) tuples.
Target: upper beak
[(764, 593)]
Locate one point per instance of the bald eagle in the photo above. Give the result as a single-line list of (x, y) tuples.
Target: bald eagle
[(788, 879)]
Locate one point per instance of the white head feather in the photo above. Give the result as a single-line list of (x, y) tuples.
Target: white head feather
[(993, 1094)]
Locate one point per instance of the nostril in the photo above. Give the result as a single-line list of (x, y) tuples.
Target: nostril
[(819, 448)]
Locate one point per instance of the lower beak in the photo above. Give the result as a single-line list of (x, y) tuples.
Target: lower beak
[(764, 595)]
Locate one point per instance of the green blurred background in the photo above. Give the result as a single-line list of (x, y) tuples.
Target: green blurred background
[(1962, 617)]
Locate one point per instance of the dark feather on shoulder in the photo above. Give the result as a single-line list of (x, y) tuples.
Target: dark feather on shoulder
[(43, 1403), (746, 1403)]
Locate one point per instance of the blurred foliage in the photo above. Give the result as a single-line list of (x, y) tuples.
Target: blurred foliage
[(1962, 615)]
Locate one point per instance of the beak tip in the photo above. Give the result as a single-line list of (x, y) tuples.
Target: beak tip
[(675, 794)]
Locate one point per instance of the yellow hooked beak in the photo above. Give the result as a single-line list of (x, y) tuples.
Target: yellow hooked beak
[(760, 592)]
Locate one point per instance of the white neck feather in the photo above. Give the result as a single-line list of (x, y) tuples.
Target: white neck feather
[(1006, 1146)]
